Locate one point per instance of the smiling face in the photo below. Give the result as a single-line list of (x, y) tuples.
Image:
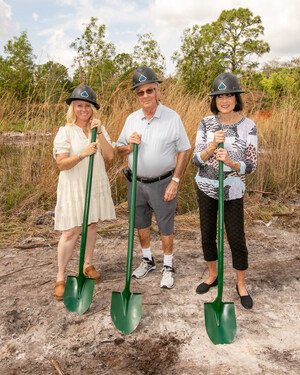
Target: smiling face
[(148, 98), (226, 103), (82, 110)]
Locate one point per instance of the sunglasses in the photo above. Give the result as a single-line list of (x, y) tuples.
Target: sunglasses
[(148, 92), (223, 95)]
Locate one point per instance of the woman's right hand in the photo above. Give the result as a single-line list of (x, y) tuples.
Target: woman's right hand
[(219, 137), (89, 150)]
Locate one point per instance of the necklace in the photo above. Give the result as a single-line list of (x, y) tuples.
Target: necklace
[(226, 121)]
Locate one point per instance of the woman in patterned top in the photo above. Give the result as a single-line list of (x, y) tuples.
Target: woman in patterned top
[(239, 156)]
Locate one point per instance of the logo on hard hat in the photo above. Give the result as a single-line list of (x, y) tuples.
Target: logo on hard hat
[(222, 86), (84, 94), (142, 78)]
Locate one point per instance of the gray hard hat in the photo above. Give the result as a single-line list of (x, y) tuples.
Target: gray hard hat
[(226, 83), (142, 76), (84, 93)]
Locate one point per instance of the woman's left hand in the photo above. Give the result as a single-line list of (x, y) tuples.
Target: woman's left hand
[(96, 124), (222, 155)]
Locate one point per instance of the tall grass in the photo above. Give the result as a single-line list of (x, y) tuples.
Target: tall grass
[(29, 173)]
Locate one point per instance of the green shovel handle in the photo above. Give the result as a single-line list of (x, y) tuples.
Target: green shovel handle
[(86, 209), (220, 228), (131, 220)]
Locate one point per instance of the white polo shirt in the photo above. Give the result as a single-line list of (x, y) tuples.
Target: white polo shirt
[(162, 137)]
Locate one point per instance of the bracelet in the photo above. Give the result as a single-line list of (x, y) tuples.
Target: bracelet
[(176, 179), (210, 155), (80, 158), (99, 133)]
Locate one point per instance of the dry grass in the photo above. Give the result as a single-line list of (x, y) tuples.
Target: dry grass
[(29, 174)]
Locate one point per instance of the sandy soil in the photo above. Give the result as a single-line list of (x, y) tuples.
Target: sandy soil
[(37, 332)]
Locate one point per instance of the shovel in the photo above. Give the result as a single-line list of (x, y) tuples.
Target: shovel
[(220, 319), (79, 290), (126, 307)]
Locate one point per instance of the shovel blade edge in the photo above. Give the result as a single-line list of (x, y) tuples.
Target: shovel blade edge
[(75, 300), (220, 322), (126, 311)]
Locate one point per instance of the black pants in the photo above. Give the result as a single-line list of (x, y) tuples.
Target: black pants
[(234, 225)]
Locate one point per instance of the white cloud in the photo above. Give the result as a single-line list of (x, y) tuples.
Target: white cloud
[(280, 21), (6, 24), (57, 48), (115, 14), (35, 16)]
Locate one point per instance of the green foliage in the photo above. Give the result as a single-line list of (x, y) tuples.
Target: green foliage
[(198, 62), (16, 71), (225, 44), (147, 53), (51, 79), (94, 56), (238, 37), (281, 79)]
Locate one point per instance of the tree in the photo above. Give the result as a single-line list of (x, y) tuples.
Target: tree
[(238, 33), (123, 63), (199, 60), (16, 71), (51, 79), (281, 78), (94, 56), (147, 52), (226, 44)]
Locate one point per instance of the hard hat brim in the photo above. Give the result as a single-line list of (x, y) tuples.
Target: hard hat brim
[(69, 100), (226, 92), (145, 83)]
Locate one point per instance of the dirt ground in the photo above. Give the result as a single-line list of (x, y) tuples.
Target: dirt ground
[(39, 336)]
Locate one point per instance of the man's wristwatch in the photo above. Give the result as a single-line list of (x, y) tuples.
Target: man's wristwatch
[(176, 179)]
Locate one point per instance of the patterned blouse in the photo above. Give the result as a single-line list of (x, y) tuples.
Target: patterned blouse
[(241, 145)]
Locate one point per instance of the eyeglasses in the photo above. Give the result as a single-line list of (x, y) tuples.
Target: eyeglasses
[(225, 95), (148, 92)]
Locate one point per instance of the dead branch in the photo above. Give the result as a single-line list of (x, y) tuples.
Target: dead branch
[(55, 365), (33, 245), (260, 191), (95, 312), (290, 213)]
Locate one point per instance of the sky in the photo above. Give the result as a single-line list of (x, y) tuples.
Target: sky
[(52, 25)]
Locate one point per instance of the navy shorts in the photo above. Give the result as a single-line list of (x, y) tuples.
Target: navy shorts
[(149, 198)]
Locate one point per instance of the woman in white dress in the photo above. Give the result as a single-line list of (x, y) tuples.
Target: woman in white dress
[(72, 148)]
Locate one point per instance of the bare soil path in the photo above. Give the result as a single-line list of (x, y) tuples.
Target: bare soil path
[(39, 336)]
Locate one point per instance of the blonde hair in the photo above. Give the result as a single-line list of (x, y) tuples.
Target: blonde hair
[(71, 118)]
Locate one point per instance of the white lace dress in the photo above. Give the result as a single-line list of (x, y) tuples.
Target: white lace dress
[(72, 182)]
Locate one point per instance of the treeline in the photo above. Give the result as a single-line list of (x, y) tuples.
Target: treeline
[(230, 43)]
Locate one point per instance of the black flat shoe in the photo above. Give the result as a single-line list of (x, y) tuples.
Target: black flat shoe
[(203, 287), (246, 301)]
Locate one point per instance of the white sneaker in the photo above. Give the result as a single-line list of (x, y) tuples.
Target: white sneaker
[(144, 268), (167, 281)]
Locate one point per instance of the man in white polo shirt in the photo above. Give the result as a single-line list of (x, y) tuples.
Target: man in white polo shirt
[(160, 134)]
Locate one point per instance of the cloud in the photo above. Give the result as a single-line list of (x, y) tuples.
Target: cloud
[(120, 18), (6, 24), (35, 16), (282, 28), (280, 21), (56, 47)]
